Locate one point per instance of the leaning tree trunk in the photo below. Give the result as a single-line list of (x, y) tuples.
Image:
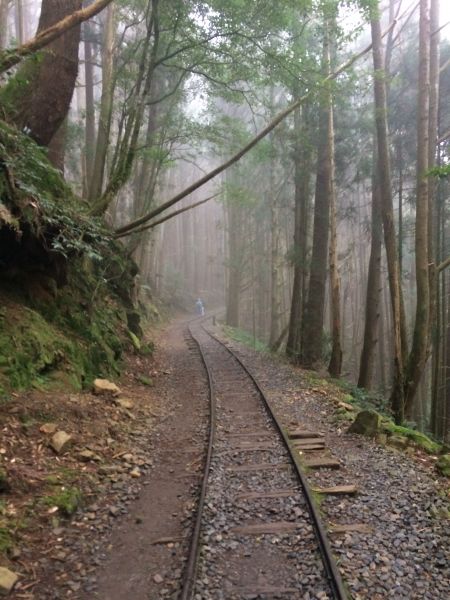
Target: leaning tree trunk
[(38, 98)]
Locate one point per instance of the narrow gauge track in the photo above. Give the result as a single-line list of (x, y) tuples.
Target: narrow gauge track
[(257, 532)]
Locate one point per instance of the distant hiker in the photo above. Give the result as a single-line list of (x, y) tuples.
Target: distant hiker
[(199, 308)]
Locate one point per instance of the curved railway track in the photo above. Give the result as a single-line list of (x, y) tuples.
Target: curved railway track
[(257, 532)]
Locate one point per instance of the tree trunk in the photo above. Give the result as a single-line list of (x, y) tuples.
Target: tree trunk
[(275, 283), (4, 9), (31, 99), (106, 102), (311, 353), (335, 366), (90, 109), (419, 350), (372, 315), (18, 22), (302, 177), (384, 178)]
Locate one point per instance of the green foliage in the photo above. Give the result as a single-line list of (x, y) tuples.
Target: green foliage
[(246, 338), (43, 201), (67, 500), (6, 539), (440, 172), (148, 381), (367, 399)]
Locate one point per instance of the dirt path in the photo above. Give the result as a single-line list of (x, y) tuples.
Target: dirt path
[(137, 484), (128, 539), (145, 552)]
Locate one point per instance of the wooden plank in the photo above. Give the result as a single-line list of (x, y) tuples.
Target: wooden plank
[(287, 493), (253, 443), (265, 528), (254, 448), (268, 590), (337, 490), (296, 434), (338, 529), (262, 433), (258, 467), (308, 441), (322, 463), (310, 447), (168, 540)]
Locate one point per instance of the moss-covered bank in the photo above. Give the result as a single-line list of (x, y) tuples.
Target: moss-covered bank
[(66, 287)]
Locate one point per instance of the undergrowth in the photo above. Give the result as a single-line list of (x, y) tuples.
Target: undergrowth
[(246, 338)]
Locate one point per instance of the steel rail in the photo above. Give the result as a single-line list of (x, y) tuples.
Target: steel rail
[(332, 571), (190, 570)]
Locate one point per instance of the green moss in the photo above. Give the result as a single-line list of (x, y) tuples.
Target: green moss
[(420, 439), (443, 465), (6, 539), (147, 349), (67, 500), (135, 341), (145, 380)]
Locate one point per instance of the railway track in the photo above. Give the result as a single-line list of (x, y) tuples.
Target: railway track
[(257, 532)]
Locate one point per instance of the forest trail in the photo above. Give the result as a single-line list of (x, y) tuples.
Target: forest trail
[(129, 537)]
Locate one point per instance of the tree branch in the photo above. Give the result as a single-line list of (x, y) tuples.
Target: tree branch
[(443, 265), (12, 56), (167, 217), (261, 135)]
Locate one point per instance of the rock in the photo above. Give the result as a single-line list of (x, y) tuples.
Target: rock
[(105, 387), (61, 441), (48, 428), (367, 422), (124, 403), (443, 465), (157, 578), (397, 441), (4, 483), (346, 406), (8, 580), (135, 472), (88, 455)]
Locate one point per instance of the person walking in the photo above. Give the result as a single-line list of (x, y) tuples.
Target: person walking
[(199, 307)]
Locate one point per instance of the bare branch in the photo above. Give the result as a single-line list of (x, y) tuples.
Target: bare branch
[(443, 265), (169, 216), (261, 135), (11, 57)]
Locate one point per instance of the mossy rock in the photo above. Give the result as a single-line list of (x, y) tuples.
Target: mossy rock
[(421, 440), (443, 465), (367, 422), (67, 500)]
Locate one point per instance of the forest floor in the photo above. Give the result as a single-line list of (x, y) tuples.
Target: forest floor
[(131, 474)]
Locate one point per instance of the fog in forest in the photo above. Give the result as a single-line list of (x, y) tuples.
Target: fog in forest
[(289, 243)]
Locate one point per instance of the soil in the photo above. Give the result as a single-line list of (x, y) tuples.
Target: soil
[(129, 535), (137, 492)]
